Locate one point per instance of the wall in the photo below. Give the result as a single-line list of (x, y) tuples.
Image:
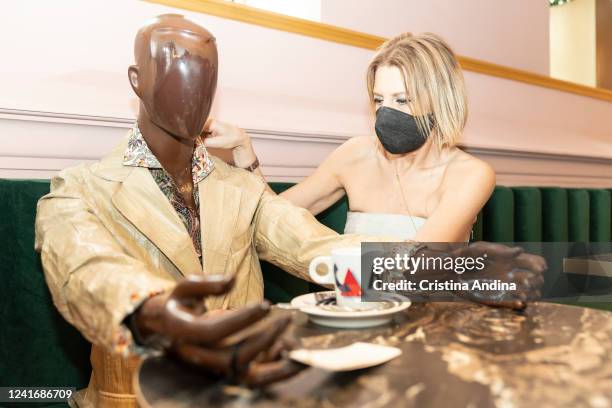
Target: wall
[(572, 42), (305, 9), (66, 99), (512, 33), (604, 43)]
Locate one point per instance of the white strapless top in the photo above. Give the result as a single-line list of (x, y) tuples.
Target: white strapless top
[(397, 225)]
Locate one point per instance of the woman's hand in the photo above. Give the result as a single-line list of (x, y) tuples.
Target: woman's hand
[(236, 344), (221, 135)]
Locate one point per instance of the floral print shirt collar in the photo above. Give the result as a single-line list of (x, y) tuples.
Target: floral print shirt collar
[(138, 154)]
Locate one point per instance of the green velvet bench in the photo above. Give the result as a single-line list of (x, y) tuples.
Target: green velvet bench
[(37, 347)]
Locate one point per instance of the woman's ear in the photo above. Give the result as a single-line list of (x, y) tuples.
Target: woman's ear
[(133, 77)]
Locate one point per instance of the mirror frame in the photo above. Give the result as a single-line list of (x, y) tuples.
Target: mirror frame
[(328, 32)]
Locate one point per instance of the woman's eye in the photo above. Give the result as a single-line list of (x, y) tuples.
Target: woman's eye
[(401, 101), (377, 101)]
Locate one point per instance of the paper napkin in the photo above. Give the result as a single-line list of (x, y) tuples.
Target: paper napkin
[(357, 355)]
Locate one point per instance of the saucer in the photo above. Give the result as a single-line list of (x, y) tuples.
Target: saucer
[(331, 315)]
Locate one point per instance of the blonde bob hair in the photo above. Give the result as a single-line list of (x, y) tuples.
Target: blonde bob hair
[(433, 81)]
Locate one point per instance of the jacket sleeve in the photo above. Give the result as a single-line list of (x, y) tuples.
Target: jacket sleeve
[(93, 282), (290, 237)]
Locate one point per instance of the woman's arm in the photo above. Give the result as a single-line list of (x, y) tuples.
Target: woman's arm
[(324, 187), (315, 193), (469, 188)]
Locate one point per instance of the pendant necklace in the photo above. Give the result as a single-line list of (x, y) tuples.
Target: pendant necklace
[(404, 201)]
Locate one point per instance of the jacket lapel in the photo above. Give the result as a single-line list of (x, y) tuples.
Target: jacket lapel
[(219, 210), (140, 200)]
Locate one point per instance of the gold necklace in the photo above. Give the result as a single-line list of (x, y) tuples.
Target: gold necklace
[(404, 202), (185, 188)]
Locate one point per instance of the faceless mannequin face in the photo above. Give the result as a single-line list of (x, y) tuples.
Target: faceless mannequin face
[(175, 75)]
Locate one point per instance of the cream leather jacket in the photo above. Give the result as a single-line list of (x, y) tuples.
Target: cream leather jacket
[(109, 239)]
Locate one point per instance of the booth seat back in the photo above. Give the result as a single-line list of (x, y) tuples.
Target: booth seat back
[(37, 347), (548, 214)]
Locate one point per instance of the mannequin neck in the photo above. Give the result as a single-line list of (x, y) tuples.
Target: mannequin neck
[(174, 154)]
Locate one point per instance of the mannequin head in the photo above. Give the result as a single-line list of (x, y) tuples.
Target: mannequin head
[(175, 75)]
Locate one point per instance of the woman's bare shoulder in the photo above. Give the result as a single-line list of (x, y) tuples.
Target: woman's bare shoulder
[(356, 149), (465, 167)]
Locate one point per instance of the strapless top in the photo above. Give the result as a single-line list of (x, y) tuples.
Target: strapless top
[(397, 225)]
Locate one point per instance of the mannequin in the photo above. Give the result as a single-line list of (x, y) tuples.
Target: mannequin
[(175, 78)]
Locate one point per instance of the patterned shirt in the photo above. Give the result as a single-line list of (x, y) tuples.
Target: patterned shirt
[(138, 154)]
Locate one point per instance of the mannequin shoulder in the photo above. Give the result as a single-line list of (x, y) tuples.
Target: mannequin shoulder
[(239, 177)]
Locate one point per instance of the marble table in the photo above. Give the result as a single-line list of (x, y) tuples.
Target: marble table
[(454, 354)]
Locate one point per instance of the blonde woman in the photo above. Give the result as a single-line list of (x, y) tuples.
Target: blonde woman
[(410, 180)]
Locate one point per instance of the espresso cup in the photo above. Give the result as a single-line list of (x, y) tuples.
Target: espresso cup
[(344, 272)]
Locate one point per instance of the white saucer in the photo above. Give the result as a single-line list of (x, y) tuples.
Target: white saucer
[(343, 318)]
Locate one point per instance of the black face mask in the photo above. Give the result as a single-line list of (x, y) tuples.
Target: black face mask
[(398, 131)]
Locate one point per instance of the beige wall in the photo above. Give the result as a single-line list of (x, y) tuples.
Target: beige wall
[(512, 33), (66, 99), (604, 44), (572, 42)]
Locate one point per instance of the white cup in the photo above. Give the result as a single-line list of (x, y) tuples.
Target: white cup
[(344, 272)]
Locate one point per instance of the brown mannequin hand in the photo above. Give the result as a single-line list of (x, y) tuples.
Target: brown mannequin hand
[(278, 350), (262, 374), (221, 343), (247, 361), (273, 365), (507, 264), (223, 135), (180, 315)]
